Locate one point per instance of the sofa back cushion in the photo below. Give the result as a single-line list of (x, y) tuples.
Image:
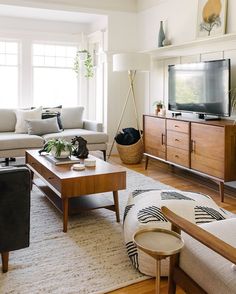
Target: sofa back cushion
[(72, 117), (23, 115), (7, 120)]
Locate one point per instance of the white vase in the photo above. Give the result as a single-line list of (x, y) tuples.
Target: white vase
[(64, 153)]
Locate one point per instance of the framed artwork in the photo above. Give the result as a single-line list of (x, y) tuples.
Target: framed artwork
[(211, 18)]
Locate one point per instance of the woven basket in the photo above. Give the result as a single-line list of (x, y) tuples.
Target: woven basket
[(131, 154)]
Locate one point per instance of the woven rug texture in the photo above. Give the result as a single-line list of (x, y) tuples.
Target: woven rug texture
[(90, 258)]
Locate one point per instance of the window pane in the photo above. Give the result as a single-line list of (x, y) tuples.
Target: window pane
[(71, 52), (11, 59), (38, 49), (11, 47), (60, 50), (9, 87), (2, 47), (50, 50), (2, 59), (38, 61), (54, 86), (50, 61), (61, 62), (70, 62)]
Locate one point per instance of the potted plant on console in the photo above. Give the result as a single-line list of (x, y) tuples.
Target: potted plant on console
[(158, 106), (59, 148)]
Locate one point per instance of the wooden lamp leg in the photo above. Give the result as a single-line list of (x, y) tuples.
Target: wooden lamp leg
[(5, 259)]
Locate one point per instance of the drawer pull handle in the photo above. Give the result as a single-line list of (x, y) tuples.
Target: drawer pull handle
[(176, 126), (50, 178), (177, 140), (162, 139), (193, 146), (177, 156)]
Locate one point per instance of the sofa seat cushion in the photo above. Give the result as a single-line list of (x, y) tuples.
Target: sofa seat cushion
[(143, 210), (211, 271), (12, 140), (90, 136)]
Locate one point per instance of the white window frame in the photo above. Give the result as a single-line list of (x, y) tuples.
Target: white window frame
[(18, 66), (53, 43)]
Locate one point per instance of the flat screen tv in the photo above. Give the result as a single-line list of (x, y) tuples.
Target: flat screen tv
[(202, 87)]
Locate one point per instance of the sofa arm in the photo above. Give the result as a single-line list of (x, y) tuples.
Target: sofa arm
[(92, 125)]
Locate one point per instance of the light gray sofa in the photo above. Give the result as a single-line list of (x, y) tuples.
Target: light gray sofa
[(14, 144)]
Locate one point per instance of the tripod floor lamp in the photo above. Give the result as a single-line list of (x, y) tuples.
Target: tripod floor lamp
[(131, 63)]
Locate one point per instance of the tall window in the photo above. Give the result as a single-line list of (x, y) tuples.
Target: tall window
[(9, 74), (54, 80)]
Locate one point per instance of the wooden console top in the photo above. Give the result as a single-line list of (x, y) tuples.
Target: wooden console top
[(222, 122)]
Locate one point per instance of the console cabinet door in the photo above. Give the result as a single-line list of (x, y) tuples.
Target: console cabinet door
[(154, 136), (207, 149)]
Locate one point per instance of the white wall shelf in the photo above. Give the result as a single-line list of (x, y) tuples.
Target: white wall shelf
[(199, 46)]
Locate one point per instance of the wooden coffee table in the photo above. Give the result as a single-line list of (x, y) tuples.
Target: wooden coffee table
[(70, 191)]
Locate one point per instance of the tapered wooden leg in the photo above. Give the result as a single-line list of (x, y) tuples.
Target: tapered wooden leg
[(146, 162), (116, 203), (158, 274), (65, 214), (5, 259), (174, 260), (104, 155), (221, 189)]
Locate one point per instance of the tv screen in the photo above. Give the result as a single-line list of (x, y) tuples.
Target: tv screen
[(200, 87)]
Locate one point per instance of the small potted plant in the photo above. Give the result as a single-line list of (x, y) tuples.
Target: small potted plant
[(59, 148), (159, 105), (84, 57)]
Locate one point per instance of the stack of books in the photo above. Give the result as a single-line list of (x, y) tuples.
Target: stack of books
[(58, 161)]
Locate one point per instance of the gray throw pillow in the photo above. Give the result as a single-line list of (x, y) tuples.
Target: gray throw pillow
[(42, 126)]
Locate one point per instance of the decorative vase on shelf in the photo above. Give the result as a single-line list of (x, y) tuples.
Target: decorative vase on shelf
[(161, 36)]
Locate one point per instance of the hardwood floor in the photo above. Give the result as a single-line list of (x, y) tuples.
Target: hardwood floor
[(182, 180)]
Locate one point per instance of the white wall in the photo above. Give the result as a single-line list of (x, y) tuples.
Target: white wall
[(180, 19)]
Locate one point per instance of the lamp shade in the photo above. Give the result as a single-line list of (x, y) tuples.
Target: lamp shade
[(131, 61)]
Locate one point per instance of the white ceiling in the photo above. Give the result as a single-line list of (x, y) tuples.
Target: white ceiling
[(49, 14)]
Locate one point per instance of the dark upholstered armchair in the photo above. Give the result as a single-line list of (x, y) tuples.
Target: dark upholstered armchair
[(14, 210)]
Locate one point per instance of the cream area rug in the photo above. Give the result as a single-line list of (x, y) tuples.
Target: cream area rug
[(90, 258)]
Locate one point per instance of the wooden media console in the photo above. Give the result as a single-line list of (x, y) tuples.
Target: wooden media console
[(207, 148)]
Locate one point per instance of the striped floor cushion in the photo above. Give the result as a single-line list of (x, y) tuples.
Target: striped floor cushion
[(144, 210)]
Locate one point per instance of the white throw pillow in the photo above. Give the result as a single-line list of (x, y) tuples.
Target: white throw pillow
[(23, 115)]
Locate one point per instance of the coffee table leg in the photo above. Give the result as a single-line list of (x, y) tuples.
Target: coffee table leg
[(116, 203), (65, 214)]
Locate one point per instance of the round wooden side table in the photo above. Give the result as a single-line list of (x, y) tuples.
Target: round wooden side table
[(158, 243)]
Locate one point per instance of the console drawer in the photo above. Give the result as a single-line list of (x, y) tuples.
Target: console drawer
[(178, 156), (178, 139), (178, 126)]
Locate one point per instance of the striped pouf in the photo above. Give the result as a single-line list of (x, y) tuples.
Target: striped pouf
[(143, 210)]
